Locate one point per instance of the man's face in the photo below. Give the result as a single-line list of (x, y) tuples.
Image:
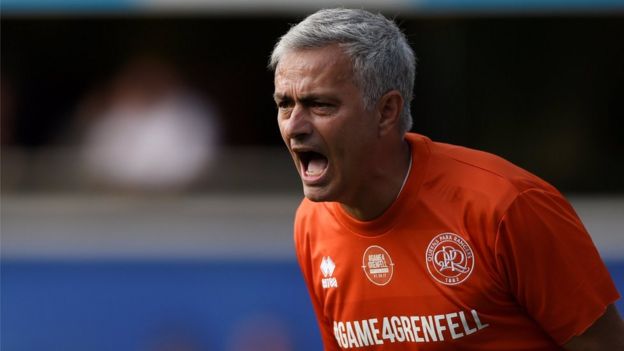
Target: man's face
[(324, 122)]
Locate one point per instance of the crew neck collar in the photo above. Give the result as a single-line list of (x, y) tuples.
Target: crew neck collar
[(419, 149)]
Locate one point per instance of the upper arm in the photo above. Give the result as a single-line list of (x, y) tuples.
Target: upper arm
[(607, 333), (305, 260), (552, 266)]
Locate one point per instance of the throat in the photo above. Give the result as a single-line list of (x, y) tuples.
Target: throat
[(371, 203), (409, 169)]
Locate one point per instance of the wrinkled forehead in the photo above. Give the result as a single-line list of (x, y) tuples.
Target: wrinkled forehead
[(310, 68)]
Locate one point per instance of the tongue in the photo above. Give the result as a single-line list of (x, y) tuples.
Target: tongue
[(316, 165)]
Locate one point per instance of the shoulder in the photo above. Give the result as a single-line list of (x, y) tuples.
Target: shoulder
[(309, 217), (306, 210), (480, 165), (458, 170), (476, 186)]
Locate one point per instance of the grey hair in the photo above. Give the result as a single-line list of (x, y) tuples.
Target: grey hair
[(381, 57)]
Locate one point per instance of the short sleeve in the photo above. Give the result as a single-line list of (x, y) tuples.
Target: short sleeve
[(551, 264), (304, 258)]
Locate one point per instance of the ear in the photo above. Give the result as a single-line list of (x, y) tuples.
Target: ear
[(389, 107)]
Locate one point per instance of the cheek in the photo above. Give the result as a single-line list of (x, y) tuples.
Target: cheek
[(280, 125), (356, 140)]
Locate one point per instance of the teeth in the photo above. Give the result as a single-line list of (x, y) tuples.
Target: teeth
[(313, 173), (316, 166)]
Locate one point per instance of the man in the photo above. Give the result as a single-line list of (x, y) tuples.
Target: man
[(409, 244)]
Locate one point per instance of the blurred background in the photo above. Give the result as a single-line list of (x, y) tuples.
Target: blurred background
[(147, 200)]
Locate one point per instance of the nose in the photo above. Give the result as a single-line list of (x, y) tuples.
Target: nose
[(297, 125)]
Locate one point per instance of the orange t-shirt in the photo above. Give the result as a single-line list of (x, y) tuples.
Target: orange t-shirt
[(474, 254)]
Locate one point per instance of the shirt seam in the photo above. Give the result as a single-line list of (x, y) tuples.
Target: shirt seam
[(504, 216)]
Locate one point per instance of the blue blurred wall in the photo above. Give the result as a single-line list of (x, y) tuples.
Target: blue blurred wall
[(102, 306)]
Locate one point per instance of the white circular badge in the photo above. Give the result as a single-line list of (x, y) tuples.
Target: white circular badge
[(377, 265), (450, 259)]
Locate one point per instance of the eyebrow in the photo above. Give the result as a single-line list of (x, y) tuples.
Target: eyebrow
[(304, 98), (277, 96)]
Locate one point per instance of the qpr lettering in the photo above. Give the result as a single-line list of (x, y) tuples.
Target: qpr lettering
[(450, 258)]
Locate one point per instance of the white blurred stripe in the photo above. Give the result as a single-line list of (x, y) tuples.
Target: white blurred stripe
[(604, 219), (206, 227), (38, 227)]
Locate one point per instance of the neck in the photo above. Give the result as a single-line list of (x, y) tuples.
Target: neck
[(384, 186)]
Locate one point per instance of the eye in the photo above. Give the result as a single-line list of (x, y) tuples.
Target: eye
[(284, 104), (322, 107)]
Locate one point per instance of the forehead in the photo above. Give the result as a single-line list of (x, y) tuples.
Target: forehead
[(308, 69)]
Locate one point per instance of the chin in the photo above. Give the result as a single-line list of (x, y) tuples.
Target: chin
[(315, 194)]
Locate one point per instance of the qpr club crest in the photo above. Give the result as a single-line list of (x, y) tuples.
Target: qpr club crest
[(450, 259)]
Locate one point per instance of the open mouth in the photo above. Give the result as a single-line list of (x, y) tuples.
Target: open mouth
[(313, 164)]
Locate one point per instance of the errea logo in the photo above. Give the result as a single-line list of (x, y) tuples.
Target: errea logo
[(327, 267)]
